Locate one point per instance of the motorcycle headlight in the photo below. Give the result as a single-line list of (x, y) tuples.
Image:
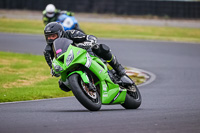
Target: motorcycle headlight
[(70, 57), (58, 68)]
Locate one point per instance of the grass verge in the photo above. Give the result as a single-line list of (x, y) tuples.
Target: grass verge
[(27, 77), (108, 30)]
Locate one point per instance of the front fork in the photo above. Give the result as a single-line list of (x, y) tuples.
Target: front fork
[(85, 79)]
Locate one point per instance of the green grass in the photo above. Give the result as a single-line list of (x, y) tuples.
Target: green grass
[(27, 77), (143, 32), (21, 26), (109, 30)]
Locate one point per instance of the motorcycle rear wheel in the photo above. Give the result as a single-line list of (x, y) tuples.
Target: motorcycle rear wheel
[(133, 99), (89, 102)]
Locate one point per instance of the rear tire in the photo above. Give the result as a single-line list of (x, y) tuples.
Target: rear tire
[(133, 99), (92, 104)]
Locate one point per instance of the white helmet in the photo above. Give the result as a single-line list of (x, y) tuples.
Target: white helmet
[(50, 10)]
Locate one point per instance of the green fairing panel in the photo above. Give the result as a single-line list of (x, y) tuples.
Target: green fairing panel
[(80, 60), (108, 90)]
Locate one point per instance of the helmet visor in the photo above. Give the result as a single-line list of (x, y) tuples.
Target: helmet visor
[(50, 14), (51, 37)]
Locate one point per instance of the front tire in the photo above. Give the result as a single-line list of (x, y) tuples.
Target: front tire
[(133, 99), (89, 102)]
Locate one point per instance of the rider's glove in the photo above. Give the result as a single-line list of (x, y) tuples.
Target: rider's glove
[(86, 45), (91, 38), (54, 74), (89, 42)]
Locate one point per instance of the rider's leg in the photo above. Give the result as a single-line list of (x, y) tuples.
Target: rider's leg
[(104, 52)]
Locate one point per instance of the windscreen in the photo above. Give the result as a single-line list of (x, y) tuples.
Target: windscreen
[(60, 46)]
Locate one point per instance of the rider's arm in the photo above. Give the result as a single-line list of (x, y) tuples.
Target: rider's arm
[(45, 20), (48, 55), (75, 35), (78, 36)]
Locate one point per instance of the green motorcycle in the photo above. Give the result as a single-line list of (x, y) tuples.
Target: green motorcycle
[(90, 80)]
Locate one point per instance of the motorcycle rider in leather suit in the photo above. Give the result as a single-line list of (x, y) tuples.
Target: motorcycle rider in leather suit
[(50, 14), (55, 30)]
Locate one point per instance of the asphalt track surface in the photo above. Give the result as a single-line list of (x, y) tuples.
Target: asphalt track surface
[(171, 104)]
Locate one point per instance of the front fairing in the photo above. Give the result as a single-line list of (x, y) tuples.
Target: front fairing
[(70, 58)]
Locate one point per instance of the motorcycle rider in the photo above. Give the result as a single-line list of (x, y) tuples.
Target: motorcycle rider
[(55, 30), (50, 14)]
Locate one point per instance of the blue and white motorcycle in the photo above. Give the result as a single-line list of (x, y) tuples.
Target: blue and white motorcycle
[(68, 22)]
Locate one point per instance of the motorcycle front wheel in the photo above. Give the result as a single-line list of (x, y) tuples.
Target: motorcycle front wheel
[(133, 99), (89, 99)]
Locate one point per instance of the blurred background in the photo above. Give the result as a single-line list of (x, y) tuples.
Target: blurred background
[(182, 9)]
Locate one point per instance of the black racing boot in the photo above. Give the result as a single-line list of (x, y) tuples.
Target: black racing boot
[(63, 86), (117, 67)]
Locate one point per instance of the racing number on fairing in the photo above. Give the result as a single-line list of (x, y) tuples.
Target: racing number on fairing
[(68, 22)]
